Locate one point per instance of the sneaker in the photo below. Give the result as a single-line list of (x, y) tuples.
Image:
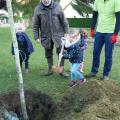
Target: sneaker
[(90, 75), (72, 84), (82, 81), (104, 78), (64, 74)]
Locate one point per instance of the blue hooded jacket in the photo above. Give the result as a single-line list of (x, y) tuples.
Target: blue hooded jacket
[(75, 52), (24, 43)]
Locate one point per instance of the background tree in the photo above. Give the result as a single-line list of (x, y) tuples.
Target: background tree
[(26, 7), (83, 7)]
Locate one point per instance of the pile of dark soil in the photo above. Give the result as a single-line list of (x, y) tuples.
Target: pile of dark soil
[(38, 105), (95, 100)]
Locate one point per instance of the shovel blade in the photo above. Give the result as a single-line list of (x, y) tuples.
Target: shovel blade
[(57, 69)]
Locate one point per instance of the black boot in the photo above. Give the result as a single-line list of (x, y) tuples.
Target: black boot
[(50, 64)]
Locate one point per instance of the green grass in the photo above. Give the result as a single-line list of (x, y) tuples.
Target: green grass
[(54, 85)]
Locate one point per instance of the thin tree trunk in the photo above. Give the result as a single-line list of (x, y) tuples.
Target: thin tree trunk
[(14, 40)]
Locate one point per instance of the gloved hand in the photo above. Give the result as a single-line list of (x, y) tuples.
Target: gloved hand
[(114, 38), (92, 33)]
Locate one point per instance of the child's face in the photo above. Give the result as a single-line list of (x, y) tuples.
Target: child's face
[(73, 37)]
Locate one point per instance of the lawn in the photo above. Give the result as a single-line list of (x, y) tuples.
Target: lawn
[(54, 85)]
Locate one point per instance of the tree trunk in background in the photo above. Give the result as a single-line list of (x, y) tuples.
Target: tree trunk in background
[(14, 40)]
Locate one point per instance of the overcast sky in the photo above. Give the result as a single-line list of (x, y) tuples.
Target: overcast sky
[(69, 11)]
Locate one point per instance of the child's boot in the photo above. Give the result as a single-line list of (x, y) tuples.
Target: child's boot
[(82, 81), (72, 84)]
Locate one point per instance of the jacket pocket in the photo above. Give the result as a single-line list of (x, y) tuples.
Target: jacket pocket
[(45, 40)]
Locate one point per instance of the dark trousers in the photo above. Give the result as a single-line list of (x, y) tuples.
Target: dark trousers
[(26, 60), (49, 55), (100, 40)]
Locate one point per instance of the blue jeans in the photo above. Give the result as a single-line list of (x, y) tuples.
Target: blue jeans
[(75, 72), (100, 40)]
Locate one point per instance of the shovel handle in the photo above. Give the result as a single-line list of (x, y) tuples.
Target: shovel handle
[(61, 52)]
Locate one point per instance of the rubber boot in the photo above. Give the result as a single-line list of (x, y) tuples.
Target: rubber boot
[(50, 64)]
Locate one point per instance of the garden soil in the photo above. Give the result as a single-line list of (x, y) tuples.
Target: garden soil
[(95, 100)]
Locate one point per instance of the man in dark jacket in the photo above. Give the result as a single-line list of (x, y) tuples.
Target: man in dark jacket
[(50, 20)]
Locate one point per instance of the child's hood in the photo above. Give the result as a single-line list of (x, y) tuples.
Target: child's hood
[(75, 45), (68, 43)]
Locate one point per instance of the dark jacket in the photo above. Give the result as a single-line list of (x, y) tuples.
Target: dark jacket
[(51, 22), (75, 52), (24, 43)]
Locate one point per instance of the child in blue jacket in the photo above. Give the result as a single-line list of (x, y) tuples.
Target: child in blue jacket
[(75, 46), (24, 45)]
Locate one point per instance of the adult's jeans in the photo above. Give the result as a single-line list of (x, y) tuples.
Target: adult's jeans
[(100, 40)]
